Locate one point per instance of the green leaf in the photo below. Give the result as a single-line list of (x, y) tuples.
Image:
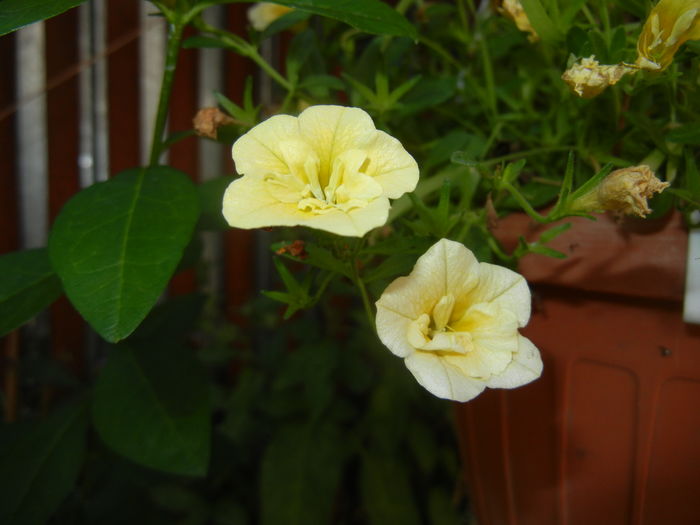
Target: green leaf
[(692, 176), (116, 244), (28, 285), (371, 16), (541, 21), (554, 232), (545, 250), (17, 13), (325, 260), (386, 492), (300, 475), (39, 467), (685, 134), (171, 320), (152, 406)]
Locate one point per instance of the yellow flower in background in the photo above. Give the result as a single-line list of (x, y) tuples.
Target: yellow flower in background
[(455, 323), (263, 14), (624, 191), (587, 78), (329, 169), (670, 24), (513, 9)]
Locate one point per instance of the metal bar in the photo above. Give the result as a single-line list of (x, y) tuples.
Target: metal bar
[(32, 137)]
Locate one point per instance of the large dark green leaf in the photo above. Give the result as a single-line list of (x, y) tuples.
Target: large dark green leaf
[(39, 465), (116, 244), (372, 16), (386, 492), (152, 406), (28, 284), (17, 13), (300, 474)]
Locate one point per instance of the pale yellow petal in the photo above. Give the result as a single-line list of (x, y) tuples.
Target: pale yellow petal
[(353, 223), (391, 166), (262, 150), (332, 130), (504, 288), (263, 14), (448, 267), (254, 203), (393, 327), (441, 379), (407, 297), (525, 367), (248, 204)]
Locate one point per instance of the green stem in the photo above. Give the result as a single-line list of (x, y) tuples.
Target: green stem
[(244, 48), (439, 50), (363, 293), (267, 68), (524, 204), (175, 30)]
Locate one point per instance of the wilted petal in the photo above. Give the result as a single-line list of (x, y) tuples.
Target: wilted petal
[(442, 379), (525, 367)]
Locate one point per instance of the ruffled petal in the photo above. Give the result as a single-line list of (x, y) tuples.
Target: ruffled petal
[(448, 267), (248, 204), (393, 328), (260, 151), (504, 288), (441, 379), (332, 130), (391, 166), (525, 367)]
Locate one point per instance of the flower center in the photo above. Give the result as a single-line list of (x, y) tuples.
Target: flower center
[(434, 333), (346, 187)]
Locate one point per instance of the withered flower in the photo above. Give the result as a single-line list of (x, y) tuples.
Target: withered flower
[(624, 191), (587, 78), (208, 120)]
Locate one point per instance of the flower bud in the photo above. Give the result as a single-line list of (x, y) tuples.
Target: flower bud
[(208, 120), (263, 14), (670, 24), (513, 9), (587, 78), (623, 191)]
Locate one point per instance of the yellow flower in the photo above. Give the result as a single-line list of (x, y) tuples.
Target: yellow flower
[(513, 9), (587, 78), (328, 169), (624, 191), (455, 322), (670, 24), (263, 14)]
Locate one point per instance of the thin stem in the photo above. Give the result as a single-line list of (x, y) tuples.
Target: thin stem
[(439, 50), (175, 30), (524, 204), (363, 292), (244, 48), (265, 66)]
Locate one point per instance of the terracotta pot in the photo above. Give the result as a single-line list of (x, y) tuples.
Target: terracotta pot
[(610, 433)]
